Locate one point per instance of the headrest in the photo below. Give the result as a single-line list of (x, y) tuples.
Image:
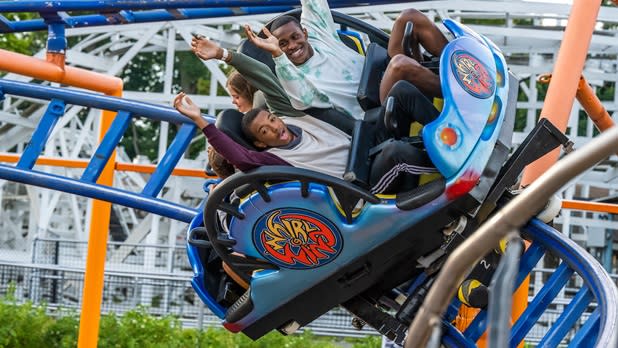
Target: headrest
[(229, 122)]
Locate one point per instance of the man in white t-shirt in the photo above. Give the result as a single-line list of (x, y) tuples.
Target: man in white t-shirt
[(318, 70), (314, 66)]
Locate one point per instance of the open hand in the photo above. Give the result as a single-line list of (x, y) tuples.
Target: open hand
[(269, 44), (205, 49), (185, 106)]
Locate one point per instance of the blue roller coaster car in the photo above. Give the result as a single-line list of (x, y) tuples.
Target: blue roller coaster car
[(293, 243)]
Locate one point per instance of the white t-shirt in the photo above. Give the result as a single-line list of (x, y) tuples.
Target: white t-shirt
[(330, 78), (322, 148)]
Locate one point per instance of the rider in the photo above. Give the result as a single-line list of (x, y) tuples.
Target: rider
[(318, 70), (301, 140), (402, 67)]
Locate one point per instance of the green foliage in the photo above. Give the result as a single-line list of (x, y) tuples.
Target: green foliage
[(24, 43), (365, 342), (27, 325), (607, 91), (145, 73), (486, 21)]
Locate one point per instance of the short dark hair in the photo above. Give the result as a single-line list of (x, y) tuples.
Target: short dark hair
[(247, 120), (283, 20)]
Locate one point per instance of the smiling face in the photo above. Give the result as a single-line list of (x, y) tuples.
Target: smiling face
[(269, 130), (293, 42)]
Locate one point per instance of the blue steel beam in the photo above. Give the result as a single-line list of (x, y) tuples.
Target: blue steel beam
[(86, 187), (109, 194), (541, 301), (169, 160), (46, 125), (106, 147), (112, 12), (570, 315), (76, 97), (130, 17), (118, 5)]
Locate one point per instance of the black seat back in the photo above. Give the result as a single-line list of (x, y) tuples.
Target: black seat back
[(359, 161), (376, 60), (229, 122)]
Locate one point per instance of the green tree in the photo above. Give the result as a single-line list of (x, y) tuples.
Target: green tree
[(25, 43), (145, 73)]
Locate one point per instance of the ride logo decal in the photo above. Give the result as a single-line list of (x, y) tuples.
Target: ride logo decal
[(472, 75), (297, 238)]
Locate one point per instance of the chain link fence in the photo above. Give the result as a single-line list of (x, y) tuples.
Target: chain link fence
[(158, 277)]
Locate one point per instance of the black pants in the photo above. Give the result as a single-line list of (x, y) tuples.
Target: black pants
[(397, 165), (410, 106)]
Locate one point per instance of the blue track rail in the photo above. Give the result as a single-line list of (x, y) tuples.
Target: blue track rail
[(598, 290), (59, 99), (112, 12)]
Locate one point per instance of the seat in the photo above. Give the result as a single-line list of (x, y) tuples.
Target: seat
[(376, 60)]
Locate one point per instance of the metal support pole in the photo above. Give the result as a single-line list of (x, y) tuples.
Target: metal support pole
[(559, 99), (565, 77)]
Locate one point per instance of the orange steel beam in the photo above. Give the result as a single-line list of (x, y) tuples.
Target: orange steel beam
[(54, 70), (565, 77), (590, 206), (119, 166), (44, 70), (593, 106), (590, 103), (559, 100), (94, 274)]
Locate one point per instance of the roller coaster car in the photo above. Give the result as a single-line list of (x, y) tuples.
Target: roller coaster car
[(295, 243)]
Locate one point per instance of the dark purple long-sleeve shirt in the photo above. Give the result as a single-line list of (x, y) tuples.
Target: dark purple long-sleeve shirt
[(239, 156)]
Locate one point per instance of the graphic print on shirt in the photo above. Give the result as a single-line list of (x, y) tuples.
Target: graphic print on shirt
[(297, 238)]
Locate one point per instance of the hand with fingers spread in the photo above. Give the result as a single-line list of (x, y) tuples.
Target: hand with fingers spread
[(206, 49), (185, 106), (270, 44)]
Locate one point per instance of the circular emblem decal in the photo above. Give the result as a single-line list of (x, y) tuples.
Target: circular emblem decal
[(297, 238), (472, 75)]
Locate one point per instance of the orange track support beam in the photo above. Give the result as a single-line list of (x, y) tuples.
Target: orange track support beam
[(123, 167), (97, 251), (54, 70), (590, 206), (593, 106), (44, 70), (566, 75), (559, 99), (589, 102)]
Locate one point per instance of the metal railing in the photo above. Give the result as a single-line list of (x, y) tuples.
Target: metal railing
[(59, 285)]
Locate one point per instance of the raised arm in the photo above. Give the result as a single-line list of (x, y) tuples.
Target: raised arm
[(239, 156), (257, 73), (317, 18), (300, 90), (261, 77)]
